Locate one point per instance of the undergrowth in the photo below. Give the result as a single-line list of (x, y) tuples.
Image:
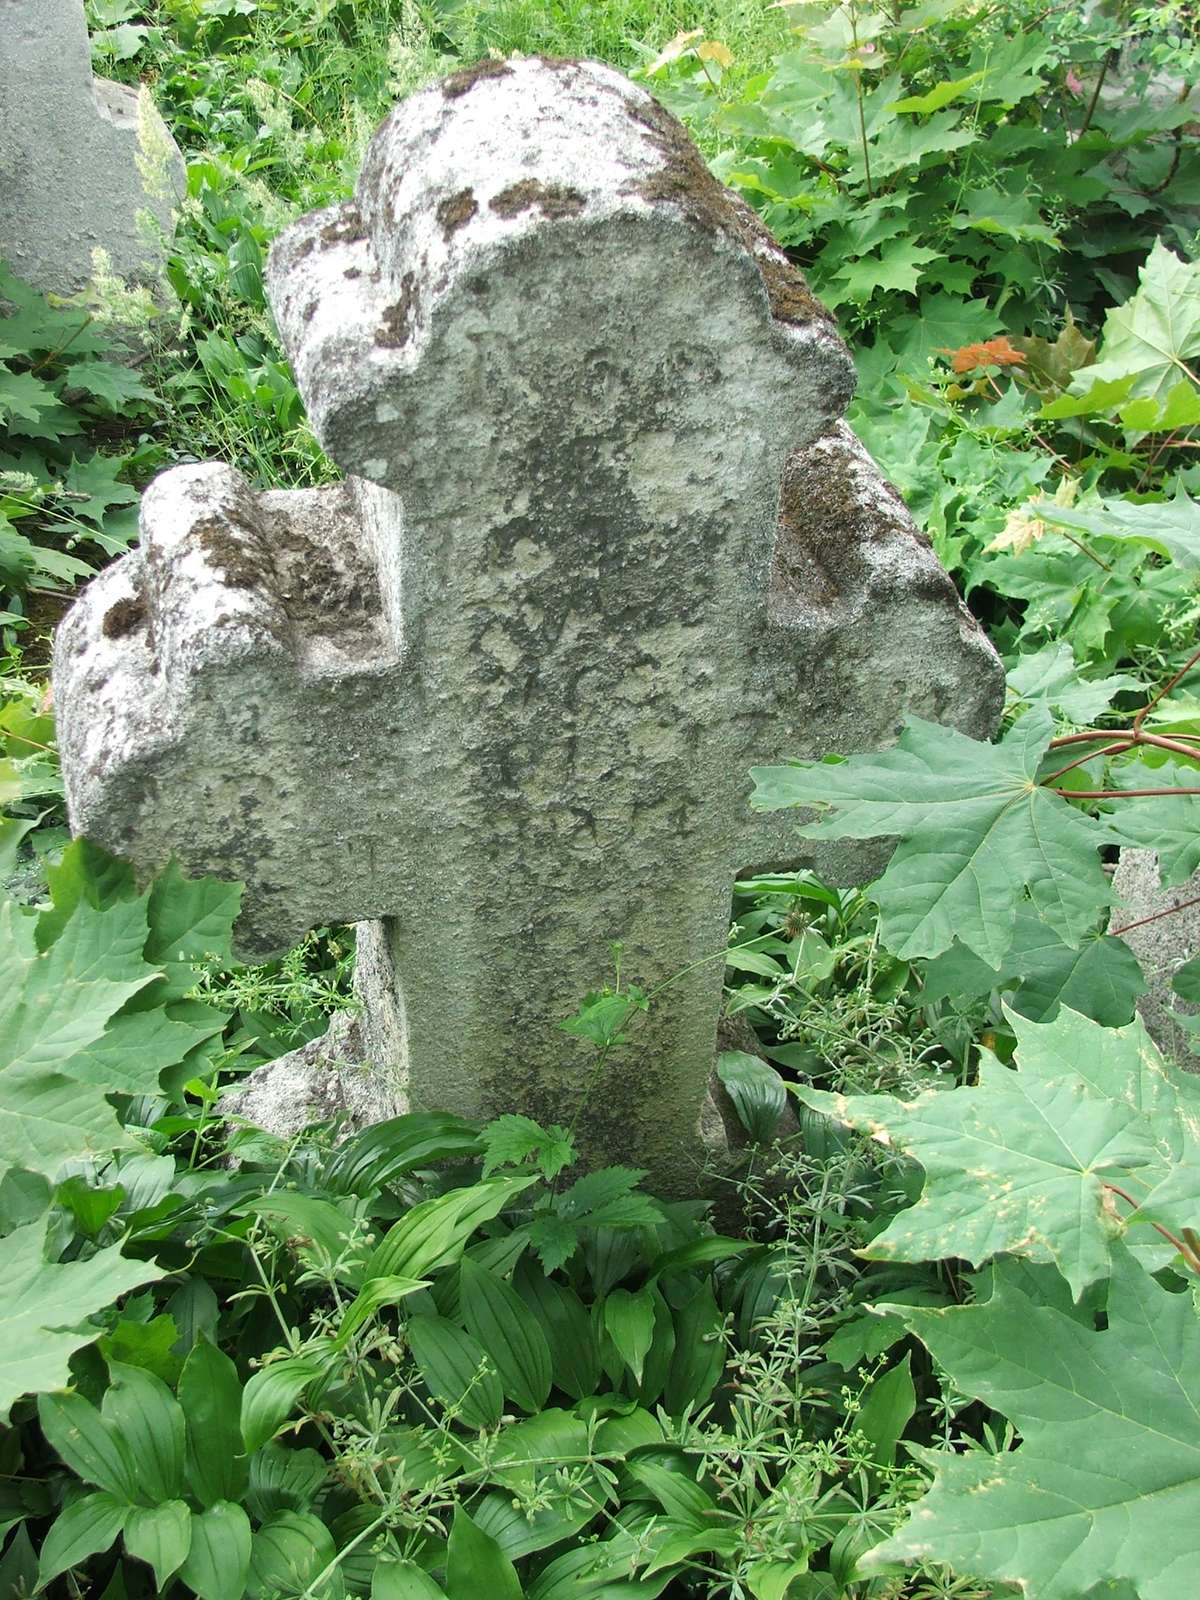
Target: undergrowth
[(435, 1359)]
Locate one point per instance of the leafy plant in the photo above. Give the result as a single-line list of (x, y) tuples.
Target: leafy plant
[(1098, 1379), (63, 378)]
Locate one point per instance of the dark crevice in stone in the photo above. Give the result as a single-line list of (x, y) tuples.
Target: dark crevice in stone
[(123, 618), (396, 326), (347, 226)]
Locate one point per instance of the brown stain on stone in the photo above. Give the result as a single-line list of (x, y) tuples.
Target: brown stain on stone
[(347, 228), (243, 563), (456, 211), (684, 180), (396, 326), (553, 200), (824, 527), (465, 79), (123, 617)]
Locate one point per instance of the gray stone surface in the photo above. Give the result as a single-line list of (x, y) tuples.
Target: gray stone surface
[(1161, 946), (602, 547), (80, 158)]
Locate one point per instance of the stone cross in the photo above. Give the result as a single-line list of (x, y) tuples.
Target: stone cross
[(602, 546), (83, 161)]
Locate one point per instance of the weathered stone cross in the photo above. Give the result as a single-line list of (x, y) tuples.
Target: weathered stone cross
[(500, 689)]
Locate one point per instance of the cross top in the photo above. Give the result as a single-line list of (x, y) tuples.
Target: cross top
[(500, 689)]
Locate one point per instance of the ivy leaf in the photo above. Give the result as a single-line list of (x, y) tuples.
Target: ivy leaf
[(1169, 824), (43, 1318), (1105, 1484), (115, 385), (1013, 1163), (1051, 677), (95, 484), (1156, 333), (976, 833)]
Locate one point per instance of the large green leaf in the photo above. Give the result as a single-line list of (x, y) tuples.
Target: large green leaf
[(84, 1013), (1172, 527), (977, 833), (141, 1410), (1156, 333), (87, 1526), (272, 1392), (218, 1560), (46, 1305), (476, 1565), (161, 1536), (56, 1000), (210, 1394), (457, 1369), (1166, 823), (509, 1332), (1105, 1485), (290, 1553), (1034, 1161), (1051, 675), (435, 1233)]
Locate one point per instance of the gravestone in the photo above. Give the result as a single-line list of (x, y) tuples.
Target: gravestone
[(603, 545), (83, 161)]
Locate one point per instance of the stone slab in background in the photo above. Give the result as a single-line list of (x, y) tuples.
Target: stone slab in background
[(80, 158), (1161, 946), (603, 546)]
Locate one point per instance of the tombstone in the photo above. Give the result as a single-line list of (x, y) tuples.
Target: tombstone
[(602, 546), (83, 162), (1163, 939)]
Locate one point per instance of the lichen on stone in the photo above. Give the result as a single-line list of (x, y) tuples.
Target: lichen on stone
[(396, 326), (553, 200), (465, 79), (456, 210)]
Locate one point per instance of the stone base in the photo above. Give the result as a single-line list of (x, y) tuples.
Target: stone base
[(325, 1079)]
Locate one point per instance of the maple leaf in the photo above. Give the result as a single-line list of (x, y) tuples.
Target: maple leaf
[(1105, 1485), (977, 833), (1153, 336), (991, 353), (44, 1319)]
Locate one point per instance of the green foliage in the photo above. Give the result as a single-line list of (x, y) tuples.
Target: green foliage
[(1024, 1167), (62, 381), (431, 1359)]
